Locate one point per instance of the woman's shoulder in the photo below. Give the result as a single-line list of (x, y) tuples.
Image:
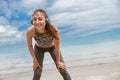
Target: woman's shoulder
[(30, 30), (54, 27)]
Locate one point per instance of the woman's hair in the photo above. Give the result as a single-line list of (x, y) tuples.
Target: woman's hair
[(49, 27)]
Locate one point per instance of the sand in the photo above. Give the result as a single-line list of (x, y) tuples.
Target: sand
[(108, 71)]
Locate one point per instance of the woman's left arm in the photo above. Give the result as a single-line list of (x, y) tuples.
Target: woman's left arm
[(57, 48)]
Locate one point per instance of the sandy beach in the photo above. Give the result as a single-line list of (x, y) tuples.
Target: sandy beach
[(109, 71)]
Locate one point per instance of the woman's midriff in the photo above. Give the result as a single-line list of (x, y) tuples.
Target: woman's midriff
[(48, 46)]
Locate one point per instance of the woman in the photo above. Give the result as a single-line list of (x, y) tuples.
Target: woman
[(47, 39)]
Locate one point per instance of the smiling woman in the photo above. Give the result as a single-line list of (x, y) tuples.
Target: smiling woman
[(85, 26), (47, 39)]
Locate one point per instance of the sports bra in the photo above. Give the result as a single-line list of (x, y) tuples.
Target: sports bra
[(43, 39)]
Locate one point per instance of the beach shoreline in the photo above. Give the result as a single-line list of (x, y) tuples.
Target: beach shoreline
[(88, 72)]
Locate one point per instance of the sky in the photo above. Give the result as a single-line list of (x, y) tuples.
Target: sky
[(81, 23)]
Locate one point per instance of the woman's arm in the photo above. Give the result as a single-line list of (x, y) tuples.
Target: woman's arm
[(57, 47), (29, 35), (29, 42)]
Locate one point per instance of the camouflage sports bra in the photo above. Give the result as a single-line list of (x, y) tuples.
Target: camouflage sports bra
[(43, 39)]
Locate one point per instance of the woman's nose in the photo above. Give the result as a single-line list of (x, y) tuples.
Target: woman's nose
[(37, 21)]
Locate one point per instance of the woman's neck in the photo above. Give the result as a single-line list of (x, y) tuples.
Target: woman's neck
[(42, 31)]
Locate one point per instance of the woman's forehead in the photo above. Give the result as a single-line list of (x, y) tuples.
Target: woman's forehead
[(38, 14)]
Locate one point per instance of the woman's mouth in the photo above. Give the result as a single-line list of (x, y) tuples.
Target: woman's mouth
[(38, 26)]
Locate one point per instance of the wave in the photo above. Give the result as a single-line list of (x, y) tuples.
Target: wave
[(24, 65)]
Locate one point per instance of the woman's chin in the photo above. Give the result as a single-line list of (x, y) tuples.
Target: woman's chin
[(38, 28)]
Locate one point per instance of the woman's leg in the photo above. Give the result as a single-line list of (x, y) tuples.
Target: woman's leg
[(64, 73), (40, 56)]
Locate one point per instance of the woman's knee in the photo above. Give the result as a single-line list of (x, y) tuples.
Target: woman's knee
[(63, 72), (37, 73)]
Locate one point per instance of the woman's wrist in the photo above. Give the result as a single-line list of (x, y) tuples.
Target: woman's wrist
[(57, 62)]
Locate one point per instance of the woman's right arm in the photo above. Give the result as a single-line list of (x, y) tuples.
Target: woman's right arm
[(29, 42), (29, 35)]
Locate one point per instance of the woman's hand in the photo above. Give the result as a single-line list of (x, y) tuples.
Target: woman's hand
[(61, 65), (36, 65)]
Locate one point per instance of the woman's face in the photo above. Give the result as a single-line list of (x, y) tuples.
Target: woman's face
[(39, 20)]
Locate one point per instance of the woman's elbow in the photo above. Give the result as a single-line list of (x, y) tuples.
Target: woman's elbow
[(30, 47)]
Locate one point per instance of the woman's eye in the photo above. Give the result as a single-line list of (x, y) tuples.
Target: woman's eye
[(39, 19), (34, 19)]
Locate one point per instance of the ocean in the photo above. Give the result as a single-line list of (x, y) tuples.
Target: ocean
[(73, 56)]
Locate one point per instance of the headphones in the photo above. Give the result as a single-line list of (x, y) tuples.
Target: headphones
[(47, 21)]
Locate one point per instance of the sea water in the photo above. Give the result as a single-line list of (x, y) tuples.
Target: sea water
[(73, 56)]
